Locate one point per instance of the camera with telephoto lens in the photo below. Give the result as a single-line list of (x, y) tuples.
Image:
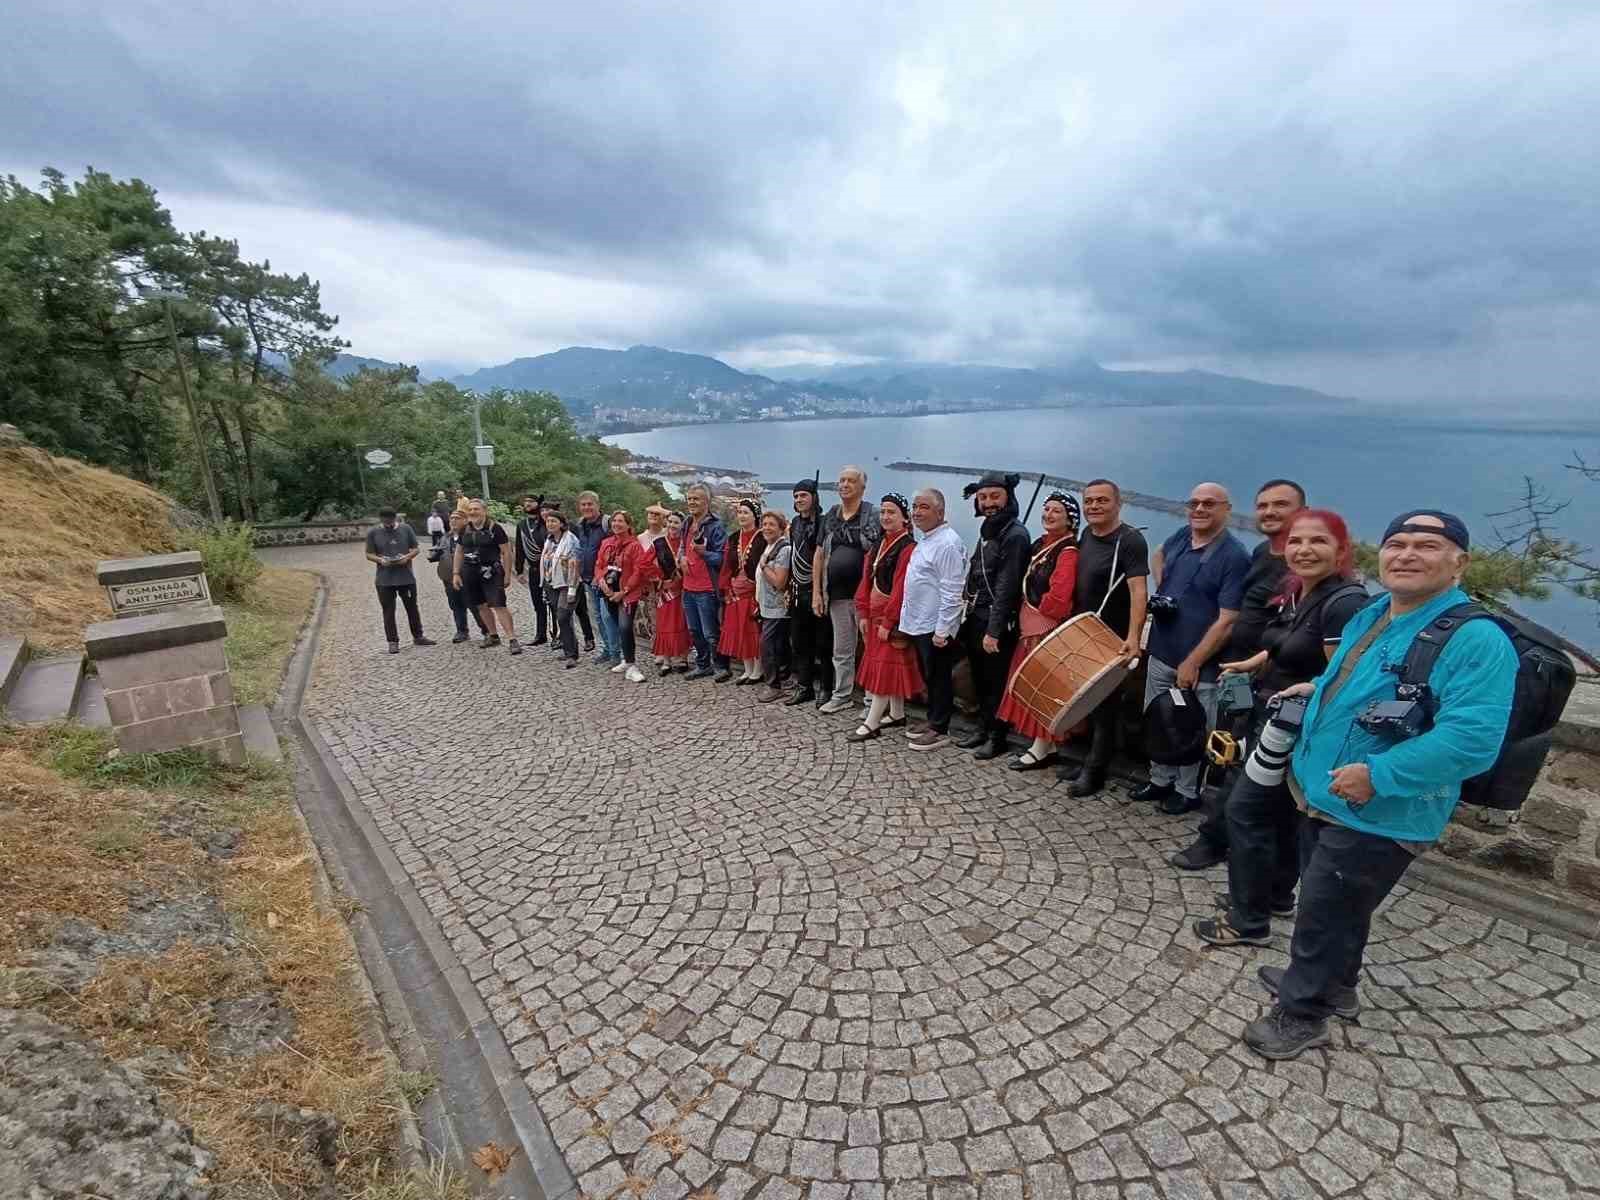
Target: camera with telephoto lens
[(1270, 758), (1235, 694), (1163, 608)]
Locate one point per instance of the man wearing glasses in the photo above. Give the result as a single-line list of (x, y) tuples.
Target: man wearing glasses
[(1198, 577)]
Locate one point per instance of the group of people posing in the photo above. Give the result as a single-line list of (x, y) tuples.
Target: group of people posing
[(783, 602)]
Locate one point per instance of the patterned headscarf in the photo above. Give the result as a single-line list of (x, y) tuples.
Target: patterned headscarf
[(1074, 514), (900, 502)]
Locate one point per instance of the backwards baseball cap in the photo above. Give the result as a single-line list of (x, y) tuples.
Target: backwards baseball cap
[(1450, 526)]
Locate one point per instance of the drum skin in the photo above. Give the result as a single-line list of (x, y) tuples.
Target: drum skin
[(1071, 672)]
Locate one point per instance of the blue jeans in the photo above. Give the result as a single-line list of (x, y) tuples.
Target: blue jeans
[(610, 640), (702, 612)]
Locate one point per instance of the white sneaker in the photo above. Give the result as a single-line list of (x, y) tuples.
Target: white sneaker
[(619, 668), (635, 675)]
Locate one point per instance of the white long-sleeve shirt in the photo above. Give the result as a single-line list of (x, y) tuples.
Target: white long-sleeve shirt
[(934, 579)]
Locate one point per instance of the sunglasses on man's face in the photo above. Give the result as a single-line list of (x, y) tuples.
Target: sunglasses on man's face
[(1194, 504)]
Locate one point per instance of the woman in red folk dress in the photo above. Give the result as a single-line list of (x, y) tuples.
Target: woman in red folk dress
[(671, 645), (888, 671), (741, 634), (1046, 602)]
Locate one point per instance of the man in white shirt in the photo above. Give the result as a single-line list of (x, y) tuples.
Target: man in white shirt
[(932, 609)]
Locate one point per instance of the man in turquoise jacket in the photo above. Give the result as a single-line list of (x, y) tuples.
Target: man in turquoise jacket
[(1372, 804)]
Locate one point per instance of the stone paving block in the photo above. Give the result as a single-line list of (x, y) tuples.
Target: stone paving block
[(851, 973)]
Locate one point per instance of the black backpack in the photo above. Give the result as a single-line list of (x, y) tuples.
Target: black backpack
[(1545, 678)]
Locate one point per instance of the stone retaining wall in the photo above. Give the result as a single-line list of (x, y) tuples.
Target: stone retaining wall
[(312, 532), (1556, 839)]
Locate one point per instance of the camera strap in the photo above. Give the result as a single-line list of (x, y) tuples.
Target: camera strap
[(1429, 644)]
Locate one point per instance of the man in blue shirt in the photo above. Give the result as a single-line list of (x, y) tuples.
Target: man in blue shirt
[(1374, 803), (1201, 571)]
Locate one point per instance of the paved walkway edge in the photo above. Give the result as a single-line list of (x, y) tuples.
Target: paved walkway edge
[(539, 1151), (1498, 896)]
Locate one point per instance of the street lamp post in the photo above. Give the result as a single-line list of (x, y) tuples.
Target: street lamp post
[(477, 441), (201, 450)]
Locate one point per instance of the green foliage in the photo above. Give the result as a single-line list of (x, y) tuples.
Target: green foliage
[(229, 557)]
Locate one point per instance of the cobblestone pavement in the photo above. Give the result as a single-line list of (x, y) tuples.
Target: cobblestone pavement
[(738, 957)]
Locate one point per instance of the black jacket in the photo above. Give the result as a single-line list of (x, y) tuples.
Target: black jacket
[(994, 578), (531, 535)]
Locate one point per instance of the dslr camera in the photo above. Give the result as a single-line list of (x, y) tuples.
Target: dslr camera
[(1270, 758), (1163, 607)]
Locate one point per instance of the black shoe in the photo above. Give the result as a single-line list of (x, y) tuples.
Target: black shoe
[(1346, 1001), (1175, 804), (746, 681), (516, 646), (1152, 792), (539, 641), (1068, 770), (1086, 783), (663, 672), (458, 639), (1198, 857), (394, 647), (1219, 933), (1278, 1035), (422, 641), (1026, 762), (722, 676), (973, 740), (993, 749), (588, 646), (803, 696), (569, 663), (699, 673)]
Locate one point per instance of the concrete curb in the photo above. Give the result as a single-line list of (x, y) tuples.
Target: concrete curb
[(397, 922), (1497, 896)]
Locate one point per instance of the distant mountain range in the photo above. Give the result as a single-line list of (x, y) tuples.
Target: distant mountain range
[(648, 377)]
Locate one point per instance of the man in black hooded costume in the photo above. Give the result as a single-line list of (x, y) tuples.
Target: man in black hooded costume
[(994, 598)]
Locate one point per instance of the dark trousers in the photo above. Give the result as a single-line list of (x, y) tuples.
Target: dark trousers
[(811, 648), (536, 594), (774, 648), (938, 665), (1344, 876), (702, 612), (580, 608), (1103, 723), (622, 617), (407, 595), (563, 608), (459, 608), (1215, 829), (988, 670), (1263, 852)]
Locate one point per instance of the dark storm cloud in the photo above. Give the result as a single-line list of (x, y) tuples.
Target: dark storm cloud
[(1014, 185)]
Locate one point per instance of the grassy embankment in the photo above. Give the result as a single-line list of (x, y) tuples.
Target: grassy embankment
[(88, 833)]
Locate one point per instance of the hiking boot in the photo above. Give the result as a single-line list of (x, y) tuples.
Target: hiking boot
[(1278, 908), (1198, 857), (1346, 1001), (803, 696), (1278, 1035), (978, 737), (422, 641), (1218, 932), (516, 646), (929, 739), (1152, 792)]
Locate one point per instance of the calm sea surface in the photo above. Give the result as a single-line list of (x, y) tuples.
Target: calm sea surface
[(1368, 464)]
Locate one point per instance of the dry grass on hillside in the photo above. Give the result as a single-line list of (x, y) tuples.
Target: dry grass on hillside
[(62, 517)]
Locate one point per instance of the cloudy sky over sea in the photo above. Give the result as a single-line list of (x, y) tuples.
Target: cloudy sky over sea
[(1371, 198)]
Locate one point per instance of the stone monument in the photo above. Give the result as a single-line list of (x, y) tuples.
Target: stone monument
[(138, 587)]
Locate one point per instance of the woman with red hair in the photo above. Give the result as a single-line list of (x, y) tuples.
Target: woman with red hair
[(1320, 595)]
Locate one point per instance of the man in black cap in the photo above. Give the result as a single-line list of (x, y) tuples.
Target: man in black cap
[(531, 534), (810, 636), (1378, 788), (391, 545), (994, 598)]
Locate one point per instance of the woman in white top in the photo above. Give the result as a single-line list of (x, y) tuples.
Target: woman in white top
[(559, 571)]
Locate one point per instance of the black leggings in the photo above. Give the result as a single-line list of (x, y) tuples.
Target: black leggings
[(562, 607), (623, 615)]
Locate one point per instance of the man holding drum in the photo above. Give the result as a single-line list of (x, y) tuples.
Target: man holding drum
[(1113, 579)]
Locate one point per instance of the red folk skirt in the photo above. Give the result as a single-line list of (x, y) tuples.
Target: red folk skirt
[(672, 630), (1011, 710), (741, 633), (886, 669)]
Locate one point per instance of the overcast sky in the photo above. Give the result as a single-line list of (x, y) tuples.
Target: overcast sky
[(1372, 198)]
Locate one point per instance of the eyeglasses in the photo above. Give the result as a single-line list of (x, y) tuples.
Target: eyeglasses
[(1193, 504)]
